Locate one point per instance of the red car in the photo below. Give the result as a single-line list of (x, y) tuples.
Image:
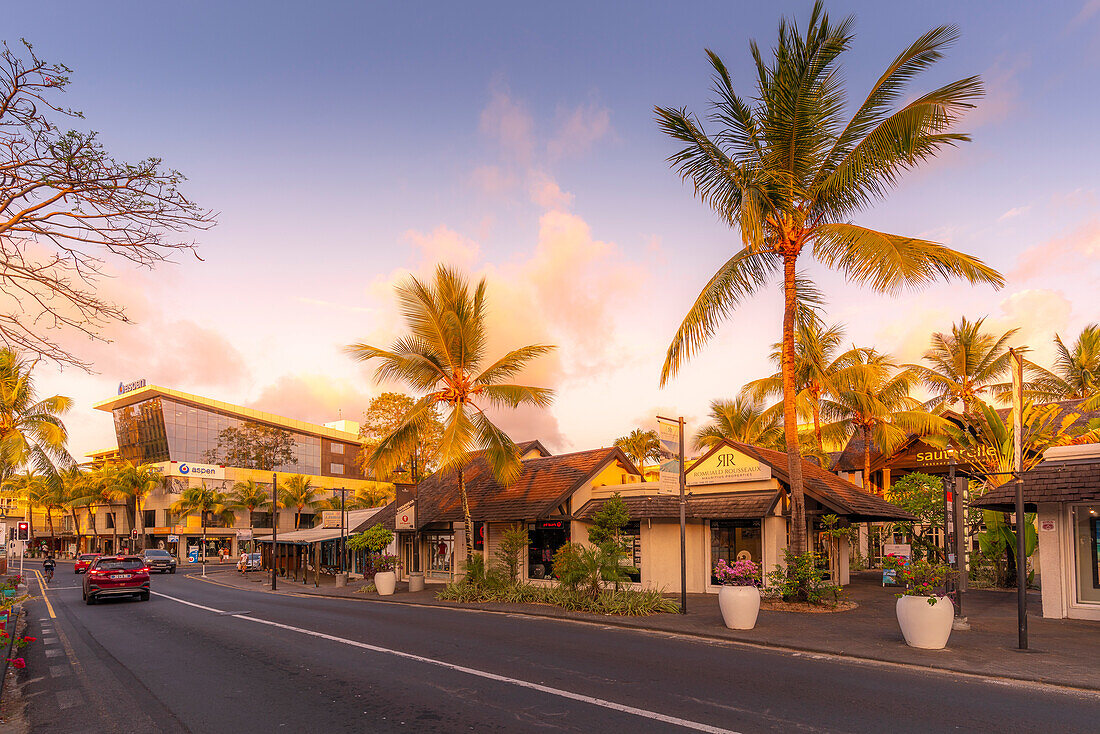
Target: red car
[(116, 576), (83, 561)]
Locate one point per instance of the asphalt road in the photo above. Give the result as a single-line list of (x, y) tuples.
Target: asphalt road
[(205, 658)]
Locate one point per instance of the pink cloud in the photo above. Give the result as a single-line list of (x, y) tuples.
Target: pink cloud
[(578, 130), (313, 397), (1062, 254)]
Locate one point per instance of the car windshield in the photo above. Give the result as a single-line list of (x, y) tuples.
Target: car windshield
[(119, 564), (157, 554), (88, 556)]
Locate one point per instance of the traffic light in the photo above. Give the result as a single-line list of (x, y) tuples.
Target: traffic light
[(133, 534), (23, 531)]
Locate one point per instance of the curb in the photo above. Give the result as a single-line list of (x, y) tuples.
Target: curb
[(14, 613), (608, 621)]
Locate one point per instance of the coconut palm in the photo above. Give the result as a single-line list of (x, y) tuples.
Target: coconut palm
[(741, 419), (879, 408), (250, 496), (965, 365), (134, 483), (75, 490), (205, 502), (32, 434), (298, 492), (820, 367), (640, 446), (1076, 373), (790, 172), (104, 491), (444, 356), (32, 488)]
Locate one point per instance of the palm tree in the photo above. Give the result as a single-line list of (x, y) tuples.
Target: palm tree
[(820, 368), (878, 407), (75, 490), (250, 496), (790, 172), (1076, 373), (32, 434), (640, 445), (135, 482), (744, 420), (298, 492), (444, 356), (33, 489), (104, 492), (205, 501), (965, 365)]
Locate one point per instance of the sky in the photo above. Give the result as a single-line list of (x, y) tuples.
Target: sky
[(345, 146)]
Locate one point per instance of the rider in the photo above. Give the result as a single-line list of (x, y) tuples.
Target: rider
[(48, 566)]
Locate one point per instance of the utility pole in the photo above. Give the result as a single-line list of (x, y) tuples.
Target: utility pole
[(1017, 466), (683, 526), (274, 529), (343, 524)]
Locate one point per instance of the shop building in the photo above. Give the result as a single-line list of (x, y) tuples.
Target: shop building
[(737, 507), (177, 434), (1064, 491)]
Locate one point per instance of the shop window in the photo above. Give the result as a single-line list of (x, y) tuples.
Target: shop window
[(632, 539), (734, 540), (440, 548), (110, 521), (336, 468), (1086, 544), (261, 519), (543, 540), (337, 448), (149, 517)]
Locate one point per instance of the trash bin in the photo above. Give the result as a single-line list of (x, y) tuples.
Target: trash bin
[(341, 579), (416, 581)]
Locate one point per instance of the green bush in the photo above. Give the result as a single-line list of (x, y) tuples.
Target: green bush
[(798, 578), (626, 602), (374, 539), (509, 554)]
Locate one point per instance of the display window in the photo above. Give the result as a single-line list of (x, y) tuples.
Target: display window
[(543, 540), (734, 540), (1086, 545)]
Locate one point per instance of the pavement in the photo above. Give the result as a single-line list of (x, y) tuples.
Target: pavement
[(210, 658), (1061, 652)]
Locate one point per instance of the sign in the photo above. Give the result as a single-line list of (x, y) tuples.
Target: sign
[(200, 471), (897, 549), (550, 525), (124, 387), (728, 465), (173, 538), (479, 535), (330, 519), (920, 455), (668, 433), (405, 497), (245, 534), (193, 554), (1047, 526)]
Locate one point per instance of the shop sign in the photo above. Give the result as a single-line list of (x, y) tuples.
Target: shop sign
[(125, 387), (331, 519), (1047, 526), (405, 497), (727, 465), (923, 455), (551, 524), (903, 550), (244, 534), (668, 433), (173, 538), (201, 471)]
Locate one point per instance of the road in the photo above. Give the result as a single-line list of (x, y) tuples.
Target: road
[(200, 657)]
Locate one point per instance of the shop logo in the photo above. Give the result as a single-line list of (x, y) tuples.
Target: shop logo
[(124, 387), (184, 468)]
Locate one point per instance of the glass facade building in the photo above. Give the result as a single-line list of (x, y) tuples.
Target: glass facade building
[(163, 429)]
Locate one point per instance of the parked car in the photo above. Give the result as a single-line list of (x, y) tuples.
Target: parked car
[(254, 562), (83, 561), (159, 560), (116, 576)]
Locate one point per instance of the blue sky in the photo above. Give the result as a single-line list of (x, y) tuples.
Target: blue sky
[(345, 144)]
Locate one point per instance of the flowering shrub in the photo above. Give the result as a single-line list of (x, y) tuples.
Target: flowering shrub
[(738, 573), (378, 562), (923, 578)]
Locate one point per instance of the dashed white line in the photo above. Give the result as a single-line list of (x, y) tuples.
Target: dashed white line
[(559, 692)]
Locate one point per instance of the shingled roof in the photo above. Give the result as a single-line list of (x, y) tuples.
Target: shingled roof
[(843, 497), (734, 506), (544, 484), (1071, 480)]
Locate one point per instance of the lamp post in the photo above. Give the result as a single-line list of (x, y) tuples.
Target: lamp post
[(274, 528), (343, 526)]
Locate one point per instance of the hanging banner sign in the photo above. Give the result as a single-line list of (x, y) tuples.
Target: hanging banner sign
[(668, 432), (405, 497)]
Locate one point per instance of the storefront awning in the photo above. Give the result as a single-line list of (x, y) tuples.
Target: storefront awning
[(358, 520), (736, 506)]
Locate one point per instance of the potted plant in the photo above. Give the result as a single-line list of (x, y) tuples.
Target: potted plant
[(924, 614), (376, 539), (739, 597)]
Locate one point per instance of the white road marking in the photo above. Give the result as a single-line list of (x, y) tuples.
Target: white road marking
[(54, 653), (49, 640), (56, 671), (561, 693), (69, 698)]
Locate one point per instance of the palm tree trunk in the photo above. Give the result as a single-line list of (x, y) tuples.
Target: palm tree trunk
[(49, 518), (817, 429), (469, 525), (140, 522), (76, 528), (91, 522), (866, 458), (790, 422)]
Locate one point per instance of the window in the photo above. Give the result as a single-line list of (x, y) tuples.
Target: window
[(335, 468), (544, 539), (734, 540), (110, 520), (337, 448), (632, 534), (1086, 544), (261, 519), (149, 517)]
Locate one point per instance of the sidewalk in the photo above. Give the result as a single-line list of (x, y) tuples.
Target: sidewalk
[(1063, 652)]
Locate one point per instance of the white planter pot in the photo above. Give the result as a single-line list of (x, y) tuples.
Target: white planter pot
[(925, 625), (740, 605), (385, 582)]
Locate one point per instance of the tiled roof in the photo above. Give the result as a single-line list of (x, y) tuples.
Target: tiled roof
[(1051, 481), (544, 483), (845, 498), (734, 506)]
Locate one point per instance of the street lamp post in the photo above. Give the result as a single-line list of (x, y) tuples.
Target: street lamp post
[(274, 529), (343, 526)]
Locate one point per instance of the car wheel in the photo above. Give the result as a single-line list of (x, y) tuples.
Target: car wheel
[(172, 570), (144, 596), (89, 599)]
